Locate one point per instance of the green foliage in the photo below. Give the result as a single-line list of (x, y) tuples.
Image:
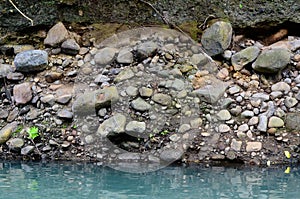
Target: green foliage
[(33, 132), (164, 132), (18, 130), (241, 6)]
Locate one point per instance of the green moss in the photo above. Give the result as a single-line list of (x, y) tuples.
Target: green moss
[(191, 28)]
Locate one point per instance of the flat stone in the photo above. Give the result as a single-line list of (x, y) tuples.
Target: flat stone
[(247, 114), (13, 114), (196, 123), (31, 61), (224, 128), (177, 85), (263, 123), (124, 75), (101, 78), (253, 121), (292, 121), (171, 155), (132, 91), (64, 99), (275, 122), (272, 60), (15, 143), (115, 124), (236, 145), (162, 99), (22, 93), (243, 127), (135, 127), (223, 115), (217, 38), (70, 46), (146, 49), (125, 56), (27, 150), (281, 86), (65, 114), (15, 76), (48, 99), (261, 96), (276, 94), (244, 57), (234, 89), (105, 56), (140, 105), (253, 146), (6, 131)]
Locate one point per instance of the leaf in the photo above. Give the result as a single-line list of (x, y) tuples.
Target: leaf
[(287, 154), (241, 6), (33, 132), (288, 170)]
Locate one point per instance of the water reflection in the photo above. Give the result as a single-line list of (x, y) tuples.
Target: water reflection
[(73, 180)]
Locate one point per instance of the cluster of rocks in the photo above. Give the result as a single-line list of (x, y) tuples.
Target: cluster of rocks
[(154, 95)]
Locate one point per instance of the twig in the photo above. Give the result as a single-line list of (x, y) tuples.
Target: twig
[(202, 26), (12, 3)]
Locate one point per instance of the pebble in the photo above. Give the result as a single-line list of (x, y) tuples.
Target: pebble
[(65, 114), (224, 128), (184, 128), (224, 115), (263, 123), (140, 105), (290, 102), (105, 56), (253, 146), (253, 121), (27, 150), (162, 99), (281, 86), (70, 46), (135, 127), (275, 122), (22, 93), (243, 127), (247, 114), (56, 35), (236, 145), (31, 61)]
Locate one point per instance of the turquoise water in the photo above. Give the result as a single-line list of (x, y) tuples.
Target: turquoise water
[(71, 180)]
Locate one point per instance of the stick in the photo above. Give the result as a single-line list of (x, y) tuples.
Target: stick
[(10, 1)]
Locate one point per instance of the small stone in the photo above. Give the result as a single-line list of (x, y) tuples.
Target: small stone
[(196, 123), (48, 99), (276, 94), (263, 123), (3, 114), (145, 92), (275, 122), (140, 105), (243, 127), (224, 128), (184, 128), (22, 93), (15, 143), (234, 89), (115, 124), (64, 99), (281, 86), (27, 150), (132, 91), (253, 146), (125, 56), (101, 78), (223, 73), (70, 46), (13, 115), (262, 96), (7, 131), (15, 76), (56, 35), (272, 131), (174, 138), (53, 76), (146, 49), (162, 99), (245, 56), (236, 145), (223, 115), (105, 56), (247, 114), (136, 127), (290, 102), (65, 114), (65, 144), (124, 75), (253, 121)]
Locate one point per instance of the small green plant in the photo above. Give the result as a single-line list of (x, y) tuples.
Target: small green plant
[(33, 132), (164, 132), (241, 6), (18, 130)]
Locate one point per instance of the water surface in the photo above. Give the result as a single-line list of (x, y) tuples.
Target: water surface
[(86, 180)]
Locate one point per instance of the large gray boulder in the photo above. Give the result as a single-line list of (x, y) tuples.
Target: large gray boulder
[(31, 61)]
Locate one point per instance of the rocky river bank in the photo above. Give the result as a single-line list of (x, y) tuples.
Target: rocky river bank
[(152, 95)]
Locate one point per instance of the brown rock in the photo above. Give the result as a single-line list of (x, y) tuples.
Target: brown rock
[(56, 35), (22, 93)]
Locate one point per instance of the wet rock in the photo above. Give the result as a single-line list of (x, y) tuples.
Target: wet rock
[(244, 57), (124, 75), (129, 156), (170, 155), (281, 86), (125, 56), (263, 123), (211, 93), (115, 124), (56, 35), (275, 122), (135, 127), (6, 132), (140, 105), (253, 146), (70, 46), (22, 93), (105, 56), (162, 99), (216, 39), (65, 114), (27, 150), (271, 61), (31, 61), (15, 143), (223, 115), (146, 49), (90, 101)]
